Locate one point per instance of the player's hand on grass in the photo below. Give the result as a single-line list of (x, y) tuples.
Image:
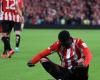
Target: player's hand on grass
[(29, 64)]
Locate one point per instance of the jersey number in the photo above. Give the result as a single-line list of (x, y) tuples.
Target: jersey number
[(10, 6)]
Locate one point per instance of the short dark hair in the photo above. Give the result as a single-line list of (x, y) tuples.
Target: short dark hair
[(64, 35)]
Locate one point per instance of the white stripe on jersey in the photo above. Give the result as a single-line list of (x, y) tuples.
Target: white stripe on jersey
[(68, 58), (10, 16), (6, 16), (13, 17), (68, 53), (17, 18), (71, 52), (1, 15)]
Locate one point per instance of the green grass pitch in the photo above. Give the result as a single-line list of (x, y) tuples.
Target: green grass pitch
[(35, 40)]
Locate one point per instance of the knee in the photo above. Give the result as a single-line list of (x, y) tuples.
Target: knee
[(44, 60)]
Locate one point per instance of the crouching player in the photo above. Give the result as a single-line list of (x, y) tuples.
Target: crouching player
[(74, 54)]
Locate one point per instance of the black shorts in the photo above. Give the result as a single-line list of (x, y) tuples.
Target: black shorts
[(7, 26), (56, 71), (17, 26), (59, 72)]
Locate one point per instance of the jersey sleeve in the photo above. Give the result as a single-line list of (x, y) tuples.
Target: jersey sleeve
[(44, 53), (86, 51), (81, 43), (55, 46)]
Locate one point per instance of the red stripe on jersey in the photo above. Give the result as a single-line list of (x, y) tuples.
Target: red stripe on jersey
[(77, 51), (78, 44)]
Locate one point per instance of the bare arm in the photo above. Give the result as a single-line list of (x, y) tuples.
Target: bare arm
[(19, 11)]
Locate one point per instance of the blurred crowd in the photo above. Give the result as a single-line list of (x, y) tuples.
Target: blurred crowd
[(62, 12)]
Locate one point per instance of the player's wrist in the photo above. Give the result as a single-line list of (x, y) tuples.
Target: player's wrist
[(30, 64)]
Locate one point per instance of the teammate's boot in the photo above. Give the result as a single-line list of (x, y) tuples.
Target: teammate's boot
[(4, 55), (17, 50), (10, 53)]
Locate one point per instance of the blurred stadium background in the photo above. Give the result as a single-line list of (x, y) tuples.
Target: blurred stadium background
[(45, 18), (76, 13)]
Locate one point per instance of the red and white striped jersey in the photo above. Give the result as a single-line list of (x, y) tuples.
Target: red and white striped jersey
[(1, 16), (8, 9), (70, 56)]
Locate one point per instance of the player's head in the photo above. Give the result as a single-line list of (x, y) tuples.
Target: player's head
[(65, 38)]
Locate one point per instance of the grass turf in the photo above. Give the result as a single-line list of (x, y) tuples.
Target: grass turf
[(33, 41)]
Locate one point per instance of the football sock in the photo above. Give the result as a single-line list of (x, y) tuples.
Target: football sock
[(17, 40), (8, 38), (6, 44)]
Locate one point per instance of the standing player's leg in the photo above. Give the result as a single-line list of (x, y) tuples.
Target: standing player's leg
[(4, 37), (2, 55), (10, 50), (0, 31), (6, 29), (17, 30), (58, 72)]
